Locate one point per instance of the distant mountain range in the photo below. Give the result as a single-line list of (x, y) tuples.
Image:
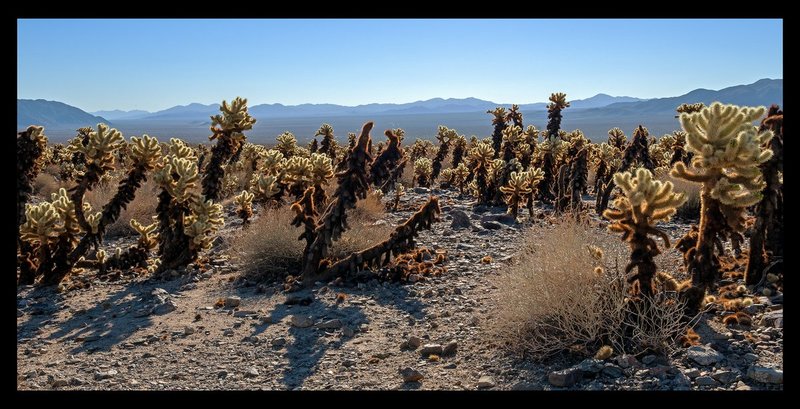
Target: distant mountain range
[(593, 115)]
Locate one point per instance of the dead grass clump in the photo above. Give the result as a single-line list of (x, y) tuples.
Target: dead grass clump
[(142, 208), (553, 298), (45, 184)]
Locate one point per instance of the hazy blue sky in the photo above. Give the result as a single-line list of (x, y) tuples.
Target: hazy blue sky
[(156, 64)]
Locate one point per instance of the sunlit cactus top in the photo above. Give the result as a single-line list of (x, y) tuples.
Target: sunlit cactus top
[(645, 200), (689, 108), (482, 153), (325, 130), (287, 143), (616, 138), (531, 134), (206, 218), (558, 101), (101, 146), (272, 161), (499, 115), (445, 134), (179, 149), (727, 148), (145, 151), (234, 117), (186, 170), (321, 169)]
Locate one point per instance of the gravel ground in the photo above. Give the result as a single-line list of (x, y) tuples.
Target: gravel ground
[(139, 334)]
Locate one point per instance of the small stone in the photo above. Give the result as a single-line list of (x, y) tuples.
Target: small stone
[(460, 220), (750, 357), (741, 386), (301, 321), (765, 375), (693, 373), (330, 324), (491, 225), (705, 381), (252, 372), (348, 332), (772, 319), (228, 332), (297, 299), (222, 374), (413, 342), (244, 313), (278, 342), (724, 377), (612, 371), (99, 375), (564, 378), (486, 382), (188, 330), (58, 383), (681, 380), (410, 375), (590, 365), (450, 349), (165, 307), (704, 355), (232, 302), (431, 349), (159, 291), (649, 359), (348, 363)]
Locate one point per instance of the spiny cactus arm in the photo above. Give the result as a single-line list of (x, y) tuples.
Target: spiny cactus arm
[(401, 240), (234, 118), (679, 170), (227, 128), (353, 185), (305, 215)]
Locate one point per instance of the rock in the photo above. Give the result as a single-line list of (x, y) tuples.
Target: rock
[(681, 380), (251, 372), (159, 291), (705, 381), (750, 357), (626, 361), (431, 349), (450, 349), (491, 225), (244, 313), (464, 246), (724, 377), (301, 321), (228, 332), (165, 308), (772, 319), (754, 309), (348, 363), (410, 375), (421, 190), (564, 378), (612, 371), (765, 375), (741, 386), (413, 342), (590, 365), (486, 382), (649, 359), (348, 332), (58, 383), (297, 299), (704, 355), (330, 324), (693, 373), (460, 220), (504, 218), (278, 342), (222, 374), (232, 302), (99, 375), (188, 330)]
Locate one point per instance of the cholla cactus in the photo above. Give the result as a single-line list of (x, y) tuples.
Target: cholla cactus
[(420, 149), (423, 168), (645, 202), (31, 145), (766, 242), (460, 175), (244, 201), (728, 151), (321, 173), (387, 167), (617, 139), (444, 135), (205, 220), (459, 150), (447, 178), (134, 256), (328, 145), (636, 152), (679, 153), (266, 187), (399, 191), (297, 175), (227, 128), (512, 137), (514, 116), (516, 191), (534, 176), (287, 144), (481, 156), (499, 122), (524, 151), (689, 108)]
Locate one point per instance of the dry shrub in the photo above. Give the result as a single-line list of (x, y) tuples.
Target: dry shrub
[(45, 184), (554, 298), (690, 209), (270, 246), (142, 208), (368, 210)]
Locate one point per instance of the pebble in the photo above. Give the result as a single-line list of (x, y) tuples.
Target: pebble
[(100, 375), (649, 359), (704, 355), (705, 381), (301, 321), (410, 375), (564, 378), (724, 377), (57, 383), (252, 372), (431, 349), (626, 361), (330, 324), (765, 375), (348, 332), (486, 382), (278, 342), (188, 330), (165, 307), (693, 373), (450, 349), (244, 313), (612, 371), (232, 302)]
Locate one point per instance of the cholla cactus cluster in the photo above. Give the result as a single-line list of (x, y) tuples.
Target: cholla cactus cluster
[(227, 129), (244, 203), (481, 156), (388, 166), (644, 203), (423, 170), (499, 122), (445, 136), (728, 150)]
